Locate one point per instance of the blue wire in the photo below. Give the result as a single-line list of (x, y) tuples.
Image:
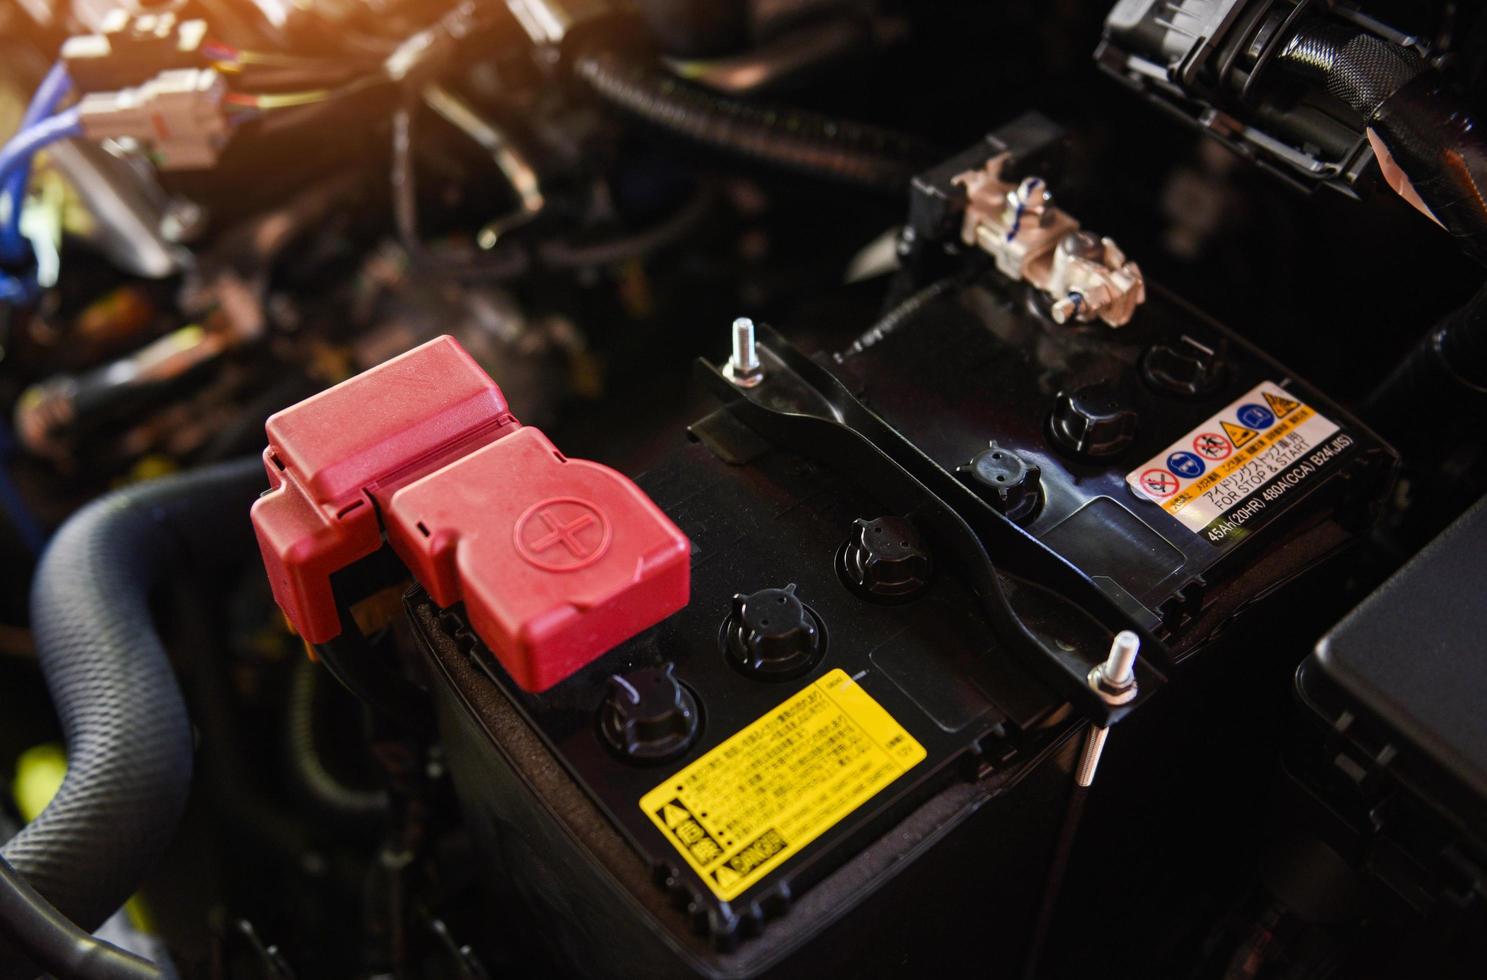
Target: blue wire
[(15, 173), (53, 89), (25, 144), (17, 154)]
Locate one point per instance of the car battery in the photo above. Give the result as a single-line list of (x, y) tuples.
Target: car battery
[(704, 718), (832, 658)]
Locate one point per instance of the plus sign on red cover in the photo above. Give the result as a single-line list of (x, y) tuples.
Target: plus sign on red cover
[(556, 560)]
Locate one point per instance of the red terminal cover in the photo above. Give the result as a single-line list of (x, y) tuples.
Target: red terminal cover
[(557, 560)]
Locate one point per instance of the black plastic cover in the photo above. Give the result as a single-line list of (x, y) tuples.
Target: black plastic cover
[(1411, 663)]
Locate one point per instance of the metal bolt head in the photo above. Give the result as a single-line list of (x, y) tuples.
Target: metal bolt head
[(1067, 308), (744, 368), (1120, 665), (1083, 245), (1115, 679), (1033, 195)]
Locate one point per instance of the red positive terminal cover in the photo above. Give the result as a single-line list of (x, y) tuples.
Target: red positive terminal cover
[(556, 560)]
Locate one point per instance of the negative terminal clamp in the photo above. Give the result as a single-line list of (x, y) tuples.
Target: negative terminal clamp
[(1084, 276)]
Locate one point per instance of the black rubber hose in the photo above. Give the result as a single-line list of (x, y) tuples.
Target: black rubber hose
[(1443, 378), (31, 924), (796, 140), (129, 741), (1425, 124), (307, 768)]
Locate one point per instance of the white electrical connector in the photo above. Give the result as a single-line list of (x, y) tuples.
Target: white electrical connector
[(178, 115)]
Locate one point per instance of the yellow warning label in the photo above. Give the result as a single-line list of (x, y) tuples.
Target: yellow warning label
[(1238, 434), (1281, 406), (743, 809), (1195, 492), (1239, 462)]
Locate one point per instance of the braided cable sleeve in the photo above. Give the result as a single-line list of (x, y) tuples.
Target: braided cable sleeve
[(1427, 127), (793, 139), (1358, 69)]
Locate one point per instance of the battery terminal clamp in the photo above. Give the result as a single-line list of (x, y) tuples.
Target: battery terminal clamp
[(556, 560), (1084, 276)]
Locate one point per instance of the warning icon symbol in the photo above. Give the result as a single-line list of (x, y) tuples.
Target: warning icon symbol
[(1238, 434), (1211, 445), (1159, 484), (725, 876), (672, 814), (1281, 406)]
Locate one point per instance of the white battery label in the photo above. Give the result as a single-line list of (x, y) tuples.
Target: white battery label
[(1242, 463)]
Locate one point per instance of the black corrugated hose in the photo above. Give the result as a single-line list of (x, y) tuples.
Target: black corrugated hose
[(129, 741), (793, 139), (1426, 125), (54, 943)]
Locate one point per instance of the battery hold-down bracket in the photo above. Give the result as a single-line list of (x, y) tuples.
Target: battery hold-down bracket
[(556, 560)]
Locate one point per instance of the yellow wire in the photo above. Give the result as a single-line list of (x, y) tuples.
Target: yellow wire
[(279, 60), (287, 100)]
